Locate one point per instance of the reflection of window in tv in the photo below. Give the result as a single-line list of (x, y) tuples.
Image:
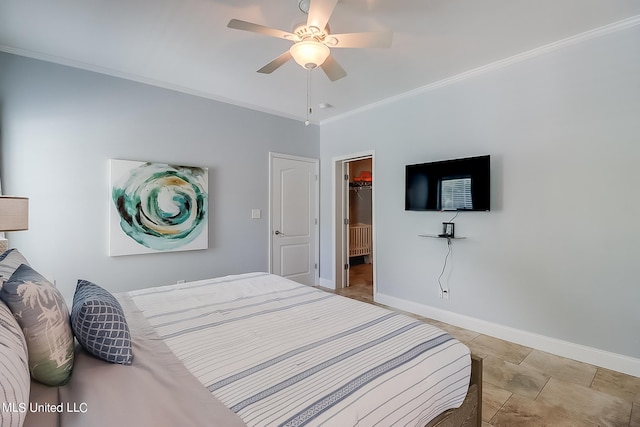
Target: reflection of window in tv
[(456, 194)]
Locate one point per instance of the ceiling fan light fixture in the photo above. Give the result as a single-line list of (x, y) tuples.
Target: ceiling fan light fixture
[(309, 53)]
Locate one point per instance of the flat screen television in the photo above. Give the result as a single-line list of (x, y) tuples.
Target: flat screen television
[(449, 185)]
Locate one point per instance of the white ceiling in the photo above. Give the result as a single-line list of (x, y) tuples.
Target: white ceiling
[(185, 44)]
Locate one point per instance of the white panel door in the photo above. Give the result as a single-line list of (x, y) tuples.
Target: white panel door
[(293, 218)]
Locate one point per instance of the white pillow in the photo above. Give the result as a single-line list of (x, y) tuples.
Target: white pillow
[(14, 370)]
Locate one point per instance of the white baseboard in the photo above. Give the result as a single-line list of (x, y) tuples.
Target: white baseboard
[(581, 353)]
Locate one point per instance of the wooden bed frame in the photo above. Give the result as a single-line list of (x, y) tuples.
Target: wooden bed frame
[(470, 412)]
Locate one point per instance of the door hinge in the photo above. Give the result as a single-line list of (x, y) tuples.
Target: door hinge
[(315, 266), (346, 177), (346, 266), (346, 221), (316, 221)]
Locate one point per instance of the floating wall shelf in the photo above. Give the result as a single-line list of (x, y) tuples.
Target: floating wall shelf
[(435, 236)]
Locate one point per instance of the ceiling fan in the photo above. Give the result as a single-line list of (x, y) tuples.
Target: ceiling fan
[(312, 41)]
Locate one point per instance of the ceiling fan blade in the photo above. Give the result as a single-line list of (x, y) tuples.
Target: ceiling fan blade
[(332, 69), (319, 13), (379, 39), (261, 29), (275, 64)]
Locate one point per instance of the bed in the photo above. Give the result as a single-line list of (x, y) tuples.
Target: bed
[(259, 350)]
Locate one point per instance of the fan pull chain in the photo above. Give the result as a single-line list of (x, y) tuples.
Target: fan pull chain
[(306, 123)]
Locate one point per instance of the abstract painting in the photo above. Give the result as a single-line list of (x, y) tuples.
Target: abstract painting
[(157, 207)]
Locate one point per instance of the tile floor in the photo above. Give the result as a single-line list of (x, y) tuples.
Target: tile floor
[(528, 387)]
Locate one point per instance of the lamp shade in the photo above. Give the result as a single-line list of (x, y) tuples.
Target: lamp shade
[(309, 53), (14, 213)]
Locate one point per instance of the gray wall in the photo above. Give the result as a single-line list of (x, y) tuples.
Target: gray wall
[(558, 254), (60, 126)]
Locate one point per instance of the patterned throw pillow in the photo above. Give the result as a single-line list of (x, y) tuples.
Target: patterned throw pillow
[(99, 324), (14, 370), (43, 316), (9, 261)]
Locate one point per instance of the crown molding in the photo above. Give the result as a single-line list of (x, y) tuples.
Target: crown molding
[(498, 65), (140, 79)]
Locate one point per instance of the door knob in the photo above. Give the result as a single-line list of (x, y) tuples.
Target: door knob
[(277, 233)]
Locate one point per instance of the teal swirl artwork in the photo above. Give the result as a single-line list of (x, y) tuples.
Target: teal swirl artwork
[(157, 207)]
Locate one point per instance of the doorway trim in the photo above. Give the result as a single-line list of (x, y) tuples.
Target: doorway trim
[(338, 194), (316, 163)]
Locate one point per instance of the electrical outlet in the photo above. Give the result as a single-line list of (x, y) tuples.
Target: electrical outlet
[(444, 293)]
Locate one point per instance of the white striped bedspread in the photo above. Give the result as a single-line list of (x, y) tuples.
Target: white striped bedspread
[(278, 353)]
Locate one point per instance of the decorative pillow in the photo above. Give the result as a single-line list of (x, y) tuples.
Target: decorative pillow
[(14, 372), (9, 261), (99, 324), (43, 316)]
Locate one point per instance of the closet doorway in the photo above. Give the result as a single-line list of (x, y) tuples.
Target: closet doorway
[(354, 222), (360, 236)]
